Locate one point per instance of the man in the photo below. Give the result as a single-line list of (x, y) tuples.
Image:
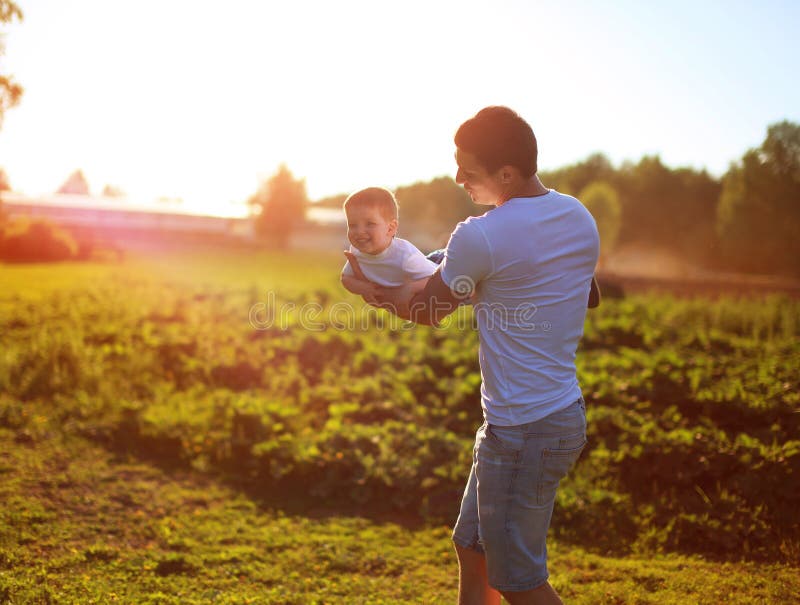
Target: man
[(528, 267)]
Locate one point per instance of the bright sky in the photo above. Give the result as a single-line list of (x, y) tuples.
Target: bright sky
[(202, 99)]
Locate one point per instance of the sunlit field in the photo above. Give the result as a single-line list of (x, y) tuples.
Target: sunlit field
[(230, 426)]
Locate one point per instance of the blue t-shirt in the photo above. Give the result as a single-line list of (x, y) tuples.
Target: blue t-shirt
[(531, 262)]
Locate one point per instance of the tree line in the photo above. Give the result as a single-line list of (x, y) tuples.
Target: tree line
[(746, 221)]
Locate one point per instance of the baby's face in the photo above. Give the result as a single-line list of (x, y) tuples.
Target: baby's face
[(368, 230)]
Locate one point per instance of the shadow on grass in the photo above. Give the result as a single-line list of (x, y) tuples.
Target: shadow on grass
[(276, 496)]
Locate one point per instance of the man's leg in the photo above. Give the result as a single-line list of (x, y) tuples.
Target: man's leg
[(543, 595), (517, 471), (473, 584), (473, 579)]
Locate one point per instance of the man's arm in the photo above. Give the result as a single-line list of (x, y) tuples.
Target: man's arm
[(435, 302), (428, 306), (358, 282)]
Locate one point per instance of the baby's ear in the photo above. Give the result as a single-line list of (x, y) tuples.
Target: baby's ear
[(393, 226)]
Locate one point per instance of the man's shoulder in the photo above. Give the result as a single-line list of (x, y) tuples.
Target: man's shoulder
[(580, 213), (472, 224), (565, 198), (470, 234), (556, 193)]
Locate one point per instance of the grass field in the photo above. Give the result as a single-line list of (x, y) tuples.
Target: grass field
[(125, 477)]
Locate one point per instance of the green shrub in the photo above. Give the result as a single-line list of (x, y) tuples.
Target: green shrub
[(691, 407)]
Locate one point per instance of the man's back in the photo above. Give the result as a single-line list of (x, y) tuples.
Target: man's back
[(532, 260)]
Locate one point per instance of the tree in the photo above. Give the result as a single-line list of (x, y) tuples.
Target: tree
[(661, 206), (437, 204), (331, 201), (75, 184), (280, 205), (10, 91), (668, 208), (602, 200), (758, 219), (576, 177)]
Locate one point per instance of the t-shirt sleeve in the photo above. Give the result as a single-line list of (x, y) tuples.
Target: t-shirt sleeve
[(348, 269), (416, 266), (467, 258)]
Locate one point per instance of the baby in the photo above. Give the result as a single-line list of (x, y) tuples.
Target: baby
[(383, 259)]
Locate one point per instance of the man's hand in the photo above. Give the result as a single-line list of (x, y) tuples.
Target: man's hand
[(358, 283), (594, 294), (351, 258)]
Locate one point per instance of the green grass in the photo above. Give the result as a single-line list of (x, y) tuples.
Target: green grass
[(82, 523), (296, 271), (81, 526)]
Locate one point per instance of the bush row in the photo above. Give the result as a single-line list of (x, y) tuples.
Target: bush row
[(692, 408)]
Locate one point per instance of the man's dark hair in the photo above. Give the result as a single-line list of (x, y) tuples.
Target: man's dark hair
[(497, 136)]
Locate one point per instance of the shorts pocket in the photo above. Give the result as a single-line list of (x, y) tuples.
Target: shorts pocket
[(504, 441), (555, 466)]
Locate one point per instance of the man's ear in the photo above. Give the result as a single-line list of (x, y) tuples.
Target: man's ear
[(507, 174)]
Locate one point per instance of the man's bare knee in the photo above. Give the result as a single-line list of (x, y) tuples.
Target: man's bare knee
[(471, 564), (470, 556)]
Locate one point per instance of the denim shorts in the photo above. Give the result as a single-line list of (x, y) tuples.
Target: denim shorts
[(508, 501)]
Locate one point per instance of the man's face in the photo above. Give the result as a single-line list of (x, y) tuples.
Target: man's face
[(368, 230), (483, 187)]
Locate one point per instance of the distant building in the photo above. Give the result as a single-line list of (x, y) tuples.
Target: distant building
[(100, 214)]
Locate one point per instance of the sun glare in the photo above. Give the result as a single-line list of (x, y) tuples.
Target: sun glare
[(200, 105)]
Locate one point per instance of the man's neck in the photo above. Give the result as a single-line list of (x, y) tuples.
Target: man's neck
[(531, 187)]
